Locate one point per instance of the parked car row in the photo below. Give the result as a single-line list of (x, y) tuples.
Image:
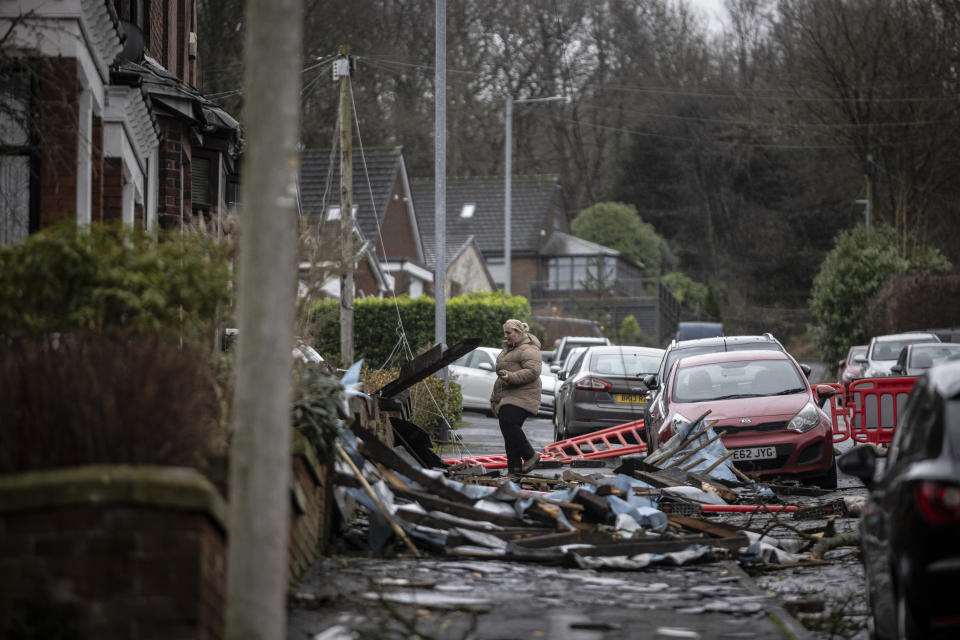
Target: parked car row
[(901, 354), (911, 522)]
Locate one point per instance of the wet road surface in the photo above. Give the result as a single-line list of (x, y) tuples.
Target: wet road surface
[(353, 595)]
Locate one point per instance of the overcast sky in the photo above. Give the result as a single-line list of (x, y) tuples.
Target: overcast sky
[(712, 10)]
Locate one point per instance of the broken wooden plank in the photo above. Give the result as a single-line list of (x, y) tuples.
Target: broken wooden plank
[(718, 462), (697, 478), (375, 450), (563, 538), (435, 503), (715, 529), (569, 475), (596, 508), (417, 442), (634, 547), (436, 522), (662, 478), (679, 461)]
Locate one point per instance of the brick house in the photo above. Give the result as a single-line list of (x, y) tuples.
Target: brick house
[(98, 121), (383, 211), (561, 275)]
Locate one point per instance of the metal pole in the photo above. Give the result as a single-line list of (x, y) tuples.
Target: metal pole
[(508, 168), (440, 178)]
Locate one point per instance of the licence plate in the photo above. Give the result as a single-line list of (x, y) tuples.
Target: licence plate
[(633, 398), (754, 453)]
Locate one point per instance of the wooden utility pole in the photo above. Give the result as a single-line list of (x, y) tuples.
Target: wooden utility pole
[(342, 71), (267, 277)]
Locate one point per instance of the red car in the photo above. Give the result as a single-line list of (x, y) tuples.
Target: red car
[(768, 412), (848, 369)]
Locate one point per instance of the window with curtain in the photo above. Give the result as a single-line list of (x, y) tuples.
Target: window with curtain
[(15, 157)]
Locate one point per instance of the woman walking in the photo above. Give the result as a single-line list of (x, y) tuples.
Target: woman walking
[(516, 393)]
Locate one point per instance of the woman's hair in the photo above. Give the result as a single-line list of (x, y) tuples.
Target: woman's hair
[(516, 325)]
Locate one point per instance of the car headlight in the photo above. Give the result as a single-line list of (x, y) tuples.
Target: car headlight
[(806, 419)]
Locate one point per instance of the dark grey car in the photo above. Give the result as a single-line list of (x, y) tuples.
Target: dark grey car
[(604, 389), (915, 359)]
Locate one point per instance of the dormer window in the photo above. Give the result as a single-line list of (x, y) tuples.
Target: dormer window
[(468, 209), (333, 213)]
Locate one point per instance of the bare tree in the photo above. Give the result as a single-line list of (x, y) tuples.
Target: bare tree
[(260, 453)]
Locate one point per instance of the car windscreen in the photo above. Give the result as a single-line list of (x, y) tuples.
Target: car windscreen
[(890, 349), (924, 357), (739, 379), (625, 363), (675, 354), (574, 344)]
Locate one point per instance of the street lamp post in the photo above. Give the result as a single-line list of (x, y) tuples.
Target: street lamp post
[(866, 208), (508, 168)]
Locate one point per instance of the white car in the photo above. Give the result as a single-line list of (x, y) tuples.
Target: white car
[(883, 351), (475, 373)]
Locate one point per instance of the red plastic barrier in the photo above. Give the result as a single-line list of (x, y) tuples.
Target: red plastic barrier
[(747, 508), (839, 413), (607, 443), (874, 405)]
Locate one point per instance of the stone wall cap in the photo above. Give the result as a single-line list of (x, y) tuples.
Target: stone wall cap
[(180, 488)]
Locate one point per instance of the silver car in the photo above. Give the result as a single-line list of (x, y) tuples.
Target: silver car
[(883, 351)]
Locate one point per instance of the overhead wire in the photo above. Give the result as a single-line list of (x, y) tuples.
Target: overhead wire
[(376, 216)]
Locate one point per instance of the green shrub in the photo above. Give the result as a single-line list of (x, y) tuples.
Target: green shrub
[(849, 277), (377, 324), (432, 404), (94, 399), (315, 398), (111, 279)]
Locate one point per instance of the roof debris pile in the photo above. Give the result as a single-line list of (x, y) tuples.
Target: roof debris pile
[(658, 509)]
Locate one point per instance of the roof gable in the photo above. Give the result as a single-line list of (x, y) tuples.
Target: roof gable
[(535, 211), (375, 173)]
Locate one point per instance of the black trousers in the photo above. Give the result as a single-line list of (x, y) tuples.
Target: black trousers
[(515, 441)]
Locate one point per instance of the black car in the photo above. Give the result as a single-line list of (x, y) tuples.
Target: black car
[(603, 389), (910, 528), (682, 348)]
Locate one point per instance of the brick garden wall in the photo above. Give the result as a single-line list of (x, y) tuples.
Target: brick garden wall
[(112, 552), (312, 507)]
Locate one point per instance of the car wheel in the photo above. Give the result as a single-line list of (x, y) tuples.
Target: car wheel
[(828, 481), (907, 627)]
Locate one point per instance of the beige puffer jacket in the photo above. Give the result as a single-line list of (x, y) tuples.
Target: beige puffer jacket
[(522, 385)]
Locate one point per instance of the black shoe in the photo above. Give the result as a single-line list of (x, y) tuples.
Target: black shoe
[(530, 463)]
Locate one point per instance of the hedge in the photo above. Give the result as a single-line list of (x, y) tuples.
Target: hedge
[(379, 323)]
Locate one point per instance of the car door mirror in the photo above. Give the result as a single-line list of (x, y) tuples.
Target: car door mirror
[(650, 382), (486, 366), (825, 392), (860, 462), (842, 363), (555, 368), (806, 370), (897, 368), (561, 375)]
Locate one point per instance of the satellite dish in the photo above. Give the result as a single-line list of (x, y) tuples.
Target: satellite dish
[(132, 43)]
